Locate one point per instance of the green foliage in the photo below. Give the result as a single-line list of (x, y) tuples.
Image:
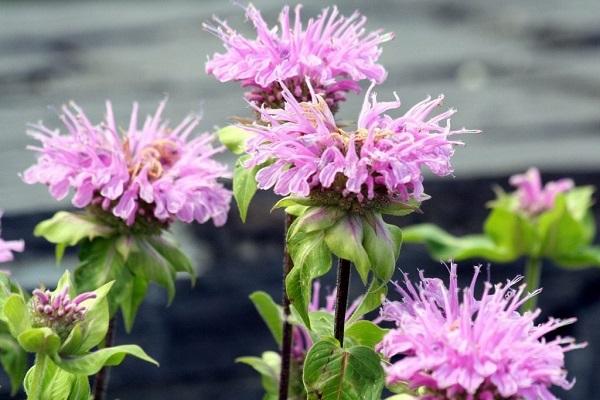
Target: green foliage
[(234, 138), (131, 259), (244, 185), (62, 364), (67, 229), (269, 367), (320, 232), (271, 313), (335, 373), (563, 234)]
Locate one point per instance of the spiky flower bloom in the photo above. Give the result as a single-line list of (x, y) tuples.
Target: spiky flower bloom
[(302, 340), (7, 247), (58, 311), (153, 173), (333, 51), (380, 161), (478, 348), (534, 198)]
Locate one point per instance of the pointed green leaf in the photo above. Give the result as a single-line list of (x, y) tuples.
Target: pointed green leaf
[(345, 239), (333, 373), (311, 258), (370, 301), (316, 219), (134, 295), (91, 363), (100, 263), (67, 228), (95, 323), (270, 312), (174, 255), (234, 138), (442, 246), (147, 262), (244, 186), (400, 209), (380, 246), (268, 366)]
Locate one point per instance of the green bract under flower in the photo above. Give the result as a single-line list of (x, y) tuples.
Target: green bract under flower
[(563, 233), (360, 236)]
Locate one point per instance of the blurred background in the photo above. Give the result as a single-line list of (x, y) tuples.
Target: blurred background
[(525, 72)]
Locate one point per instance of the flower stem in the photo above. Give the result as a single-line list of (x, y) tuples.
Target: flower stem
[(286, 341), (102, 377), (533, 272), (341, 301), (41, 361)]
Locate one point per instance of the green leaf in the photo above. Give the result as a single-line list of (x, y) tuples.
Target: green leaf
[(380, 245), (244, 185), (270, 312), (174, 255), (39, 340), (333, 373), (234, 138), (100, 263), (16, 314), (13, 360), (579, 258), (364, 333), (268, 367), (442, 246), (311, 258), (68, 229), (400, 209), (147, 262), (95, 323), (370, 301), (511, 232), (134, 294), (579, 201), (345, 240), (292, 201), (91, 363)]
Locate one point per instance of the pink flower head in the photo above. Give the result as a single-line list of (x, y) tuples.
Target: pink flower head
[(463, 347), (302, 340), (57, 310), (7, 247), (535, 198), (153, 172), (334, 52), (382, 159)]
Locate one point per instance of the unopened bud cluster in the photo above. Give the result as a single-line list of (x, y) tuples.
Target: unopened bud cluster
[(57, 311)]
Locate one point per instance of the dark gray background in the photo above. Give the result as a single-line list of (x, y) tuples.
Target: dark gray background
[(527, 73)]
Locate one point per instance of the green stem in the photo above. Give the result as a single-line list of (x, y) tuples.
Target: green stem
[(36, 385), (533, 272)]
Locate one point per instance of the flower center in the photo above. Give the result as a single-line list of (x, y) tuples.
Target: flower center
[(155, 158)]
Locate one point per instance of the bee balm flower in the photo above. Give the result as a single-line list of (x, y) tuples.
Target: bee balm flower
[(381, 160), (535, 198), (477, 348), (333, 51), (7, 247), (154, 172)]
